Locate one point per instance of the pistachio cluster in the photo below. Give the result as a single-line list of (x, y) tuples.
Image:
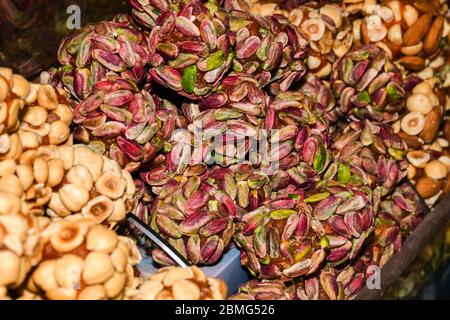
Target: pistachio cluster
[(83, 260), (175, 283)]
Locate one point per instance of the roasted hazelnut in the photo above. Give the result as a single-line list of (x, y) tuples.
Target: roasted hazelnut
[(68, 236), (25, 175), (68, 270), (20, 86), (55, 172), (419, 102), (59, 132), (80, 176), (35, 116), (64, 113), (115, 285), (97, 292), (90, 159), (7, 167), (9, 267), (418, 158), (435, 169), (111, 184), (73, 197), (40, 170), (98, 268), (413, 123), (9, 203), (44, 277), (47, 98), (101, 239)]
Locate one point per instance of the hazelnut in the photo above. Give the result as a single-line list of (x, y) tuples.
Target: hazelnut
[(115, 285), (412, 50), (410, 15), (418, 158), (313, 29), (47, 98), (62, 294), (97, 292), (411, 171), (386, 14), (4, 89), (36, 115), (32, 96), (376, 30), (80, 176), (68, 270), (9, 203), (11, 184), (9, 268), (395, 34), (59, 132), (175, 274), (7, 74), (185, 290), (119, 259), (98, 268), (40, 170), (119, 211), (44, 277), (7, 167), (68, 236), (419, 102), (435, 169), (64, 113), (332, 12), (43, 130), (55, 172), (66, 154), (73, 197), (445, 160), (5, 143), (29, 140), (296, 16), (111, 185), (150, 289), (90, 159), (423, 87), (57, 207), (20, 87), (99, 238), (413, 123), (25, 175)]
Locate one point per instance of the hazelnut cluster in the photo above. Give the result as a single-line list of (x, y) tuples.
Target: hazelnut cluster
[(77, 180), (20, 247), (83, 260), (176, 283)]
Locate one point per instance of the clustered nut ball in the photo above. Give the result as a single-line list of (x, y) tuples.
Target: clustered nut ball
[(176, 283), (31, 115), (72, 179), (20, 248), (83, 260)]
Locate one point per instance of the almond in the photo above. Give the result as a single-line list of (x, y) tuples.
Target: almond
[(432, 121), (413, 142), (418, 30), (446, 188), (428, 187), (432, 39), (447, 130), (413, 63), (425, 7), (364, 33)]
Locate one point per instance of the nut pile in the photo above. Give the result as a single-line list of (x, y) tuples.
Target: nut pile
[(167, 103), (175, 283)]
